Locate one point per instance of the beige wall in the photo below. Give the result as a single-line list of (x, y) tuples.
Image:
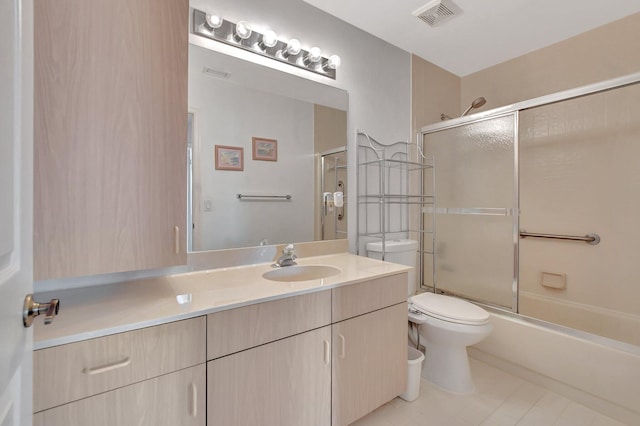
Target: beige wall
[(606, 52), (329, 128), (434, 91)]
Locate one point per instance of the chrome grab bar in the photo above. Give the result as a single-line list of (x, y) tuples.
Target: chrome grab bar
[(282, 197), (592, 239)]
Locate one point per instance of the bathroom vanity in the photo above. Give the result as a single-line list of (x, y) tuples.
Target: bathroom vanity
[(240, 349)]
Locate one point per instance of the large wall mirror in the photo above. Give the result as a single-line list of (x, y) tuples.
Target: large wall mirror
[(277, 139)]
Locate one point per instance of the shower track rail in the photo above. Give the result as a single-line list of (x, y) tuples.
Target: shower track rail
[(592, 239)]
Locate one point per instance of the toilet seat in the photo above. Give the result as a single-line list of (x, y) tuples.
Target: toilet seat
[(450, 309)]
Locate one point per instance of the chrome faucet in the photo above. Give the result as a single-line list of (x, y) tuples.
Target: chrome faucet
[(288, 257)]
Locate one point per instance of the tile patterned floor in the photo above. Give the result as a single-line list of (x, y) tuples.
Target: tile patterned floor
[(501, 399)]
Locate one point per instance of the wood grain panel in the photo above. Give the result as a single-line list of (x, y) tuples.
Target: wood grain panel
[(110, 90), (173, 399), (242, 328), (357, 299), (283, 383), (61, 374), (369, 362)]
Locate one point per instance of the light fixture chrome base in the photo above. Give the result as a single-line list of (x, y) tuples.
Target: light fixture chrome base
[(225, 34)]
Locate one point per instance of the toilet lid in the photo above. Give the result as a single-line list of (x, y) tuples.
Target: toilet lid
[(450, 309)]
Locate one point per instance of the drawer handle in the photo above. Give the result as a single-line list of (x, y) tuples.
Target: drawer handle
[(107, 367), (194, 400), (343, 346), (327, 352), (176, 239)]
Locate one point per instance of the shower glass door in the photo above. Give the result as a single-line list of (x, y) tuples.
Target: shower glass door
[(474, 248)]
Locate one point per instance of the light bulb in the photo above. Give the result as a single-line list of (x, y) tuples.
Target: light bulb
[(333, 62), (213, 21), (243, 30), (269, 38), (314, 55), (292, 49)]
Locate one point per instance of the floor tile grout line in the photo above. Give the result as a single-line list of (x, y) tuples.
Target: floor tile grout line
[(546, 392), (504, 401)]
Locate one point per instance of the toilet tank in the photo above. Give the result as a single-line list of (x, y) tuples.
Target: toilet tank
[(404, 252)]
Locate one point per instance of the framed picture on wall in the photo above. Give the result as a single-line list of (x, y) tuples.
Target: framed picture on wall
[(229, 157), (265, 149)]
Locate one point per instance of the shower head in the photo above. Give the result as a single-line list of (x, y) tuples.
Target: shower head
[(477, 103)]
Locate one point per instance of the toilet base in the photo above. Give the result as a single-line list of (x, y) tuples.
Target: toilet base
[(448, 368)]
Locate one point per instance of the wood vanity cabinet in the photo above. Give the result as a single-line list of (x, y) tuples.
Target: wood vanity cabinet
[(322, 358), (110, 129), (150, 376), (369, 346)]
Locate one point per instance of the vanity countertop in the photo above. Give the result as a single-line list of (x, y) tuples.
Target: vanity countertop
[(97, 311)]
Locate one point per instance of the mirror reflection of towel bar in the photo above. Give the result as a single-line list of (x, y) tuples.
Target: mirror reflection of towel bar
[(592, 239), (270, 197)]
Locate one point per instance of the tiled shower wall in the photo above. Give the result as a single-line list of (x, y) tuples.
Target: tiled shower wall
[(579, 174)]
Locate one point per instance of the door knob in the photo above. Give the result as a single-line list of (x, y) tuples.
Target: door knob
[(32, 309)]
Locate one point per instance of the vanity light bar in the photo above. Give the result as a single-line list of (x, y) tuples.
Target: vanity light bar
[(243, 36)]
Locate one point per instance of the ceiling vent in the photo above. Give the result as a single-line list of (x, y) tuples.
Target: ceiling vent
[(437, 12)]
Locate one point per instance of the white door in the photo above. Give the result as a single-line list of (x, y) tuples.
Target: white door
[(16, 181)]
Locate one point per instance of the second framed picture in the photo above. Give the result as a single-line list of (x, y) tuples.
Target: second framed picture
[(265, 149)]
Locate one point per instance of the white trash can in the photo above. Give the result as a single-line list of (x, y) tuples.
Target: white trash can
[(415, 359)]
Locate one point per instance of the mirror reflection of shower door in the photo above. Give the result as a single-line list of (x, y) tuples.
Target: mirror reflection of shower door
[(333, 179), (474, 225)]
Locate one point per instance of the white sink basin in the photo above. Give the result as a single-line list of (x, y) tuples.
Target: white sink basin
[(301, 273)]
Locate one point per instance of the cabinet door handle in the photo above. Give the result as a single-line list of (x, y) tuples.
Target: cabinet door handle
[(107, 367), (343, 346), (194, 400), (176, 236), (327, 352)]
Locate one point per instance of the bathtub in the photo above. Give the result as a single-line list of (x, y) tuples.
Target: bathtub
[(600, 373)]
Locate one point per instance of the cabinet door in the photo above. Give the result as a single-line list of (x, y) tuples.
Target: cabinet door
[(369, 362), (110, 128), (287, 382), (174, 399)]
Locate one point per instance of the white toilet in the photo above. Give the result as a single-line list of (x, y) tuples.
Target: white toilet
[(447, 325)]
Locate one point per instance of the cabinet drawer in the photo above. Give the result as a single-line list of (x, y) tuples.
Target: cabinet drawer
[(243, 328), (357, 299), (69, 372), (174, 399)]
